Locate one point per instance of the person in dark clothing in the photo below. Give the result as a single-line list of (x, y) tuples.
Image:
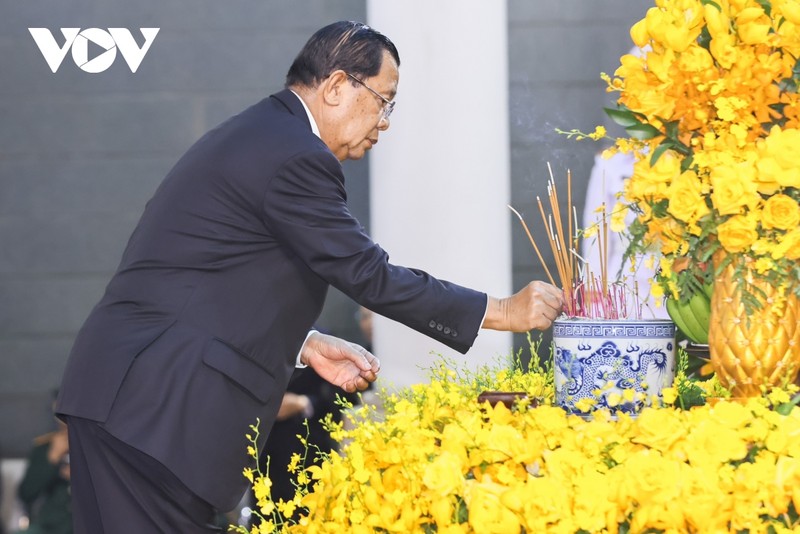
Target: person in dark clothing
[(45, 488)]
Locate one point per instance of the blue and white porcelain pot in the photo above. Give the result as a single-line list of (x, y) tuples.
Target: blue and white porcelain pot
[(620, 365)]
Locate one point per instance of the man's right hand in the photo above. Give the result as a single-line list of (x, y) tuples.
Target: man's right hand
[(536, 306)]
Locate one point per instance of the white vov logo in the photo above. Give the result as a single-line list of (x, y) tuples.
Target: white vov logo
[(78, 41)]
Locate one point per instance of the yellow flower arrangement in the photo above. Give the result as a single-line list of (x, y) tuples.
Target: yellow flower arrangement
[(439, 461), (713, 113)]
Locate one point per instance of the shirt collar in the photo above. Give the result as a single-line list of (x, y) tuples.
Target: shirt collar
[(314, 127)]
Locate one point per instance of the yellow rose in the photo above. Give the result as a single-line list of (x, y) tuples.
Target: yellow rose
[(778, 157), (789, 177), (782, 144), (738, 233), (766, 179), (686, 198), (781, 212), (733, 189)]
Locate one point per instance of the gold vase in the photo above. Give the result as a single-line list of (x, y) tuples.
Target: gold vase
[(751, 351)]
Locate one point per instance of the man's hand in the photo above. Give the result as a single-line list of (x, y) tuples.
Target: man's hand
[(58, 453), (59, 447), (343, 364), (535, 306)]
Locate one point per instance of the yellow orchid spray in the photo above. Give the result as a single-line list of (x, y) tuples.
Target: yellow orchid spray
[(438, 460)]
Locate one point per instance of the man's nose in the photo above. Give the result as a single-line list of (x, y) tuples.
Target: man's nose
[(383, 124)]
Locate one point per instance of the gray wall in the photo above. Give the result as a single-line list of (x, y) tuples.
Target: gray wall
[(81, 153)]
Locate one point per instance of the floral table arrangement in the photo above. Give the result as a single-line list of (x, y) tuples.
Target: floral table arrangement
[(712, 108), (439, 460)]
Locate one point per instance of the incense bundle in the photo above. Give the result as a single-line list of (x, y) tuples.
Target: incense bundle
[(587, 294)]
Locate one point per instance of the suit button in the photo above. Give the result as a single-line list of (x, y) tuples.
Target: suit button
[(446, 330), (439, 327), (455, 334), (432, 324)]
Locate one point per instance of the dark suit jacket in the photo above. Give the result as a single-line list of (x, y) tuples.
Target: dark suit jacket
[(197, 333)]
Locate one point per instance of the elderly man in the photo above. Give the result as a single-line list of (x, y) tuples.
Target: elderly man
[(212, 305)]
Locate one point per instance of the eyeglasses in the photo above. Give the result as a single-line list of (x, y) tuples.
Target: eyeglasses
[(388, 105)]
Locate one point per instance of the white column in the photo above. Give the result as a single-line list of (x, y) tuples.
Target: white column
[(440, 175)]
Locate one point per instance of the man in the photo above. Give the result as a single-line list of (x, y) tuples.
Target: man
[(209, 312)]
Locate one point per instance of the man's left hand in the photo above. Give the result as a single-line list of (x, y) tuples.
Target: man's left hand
[(343, 364)]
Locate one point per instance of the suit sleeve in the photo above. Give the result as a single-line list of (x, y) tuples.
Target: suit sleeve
[(305, 207)]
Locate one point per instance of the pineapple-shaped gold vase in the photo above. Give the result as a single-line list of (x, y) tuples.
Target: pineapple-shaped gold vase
[(749, 351)]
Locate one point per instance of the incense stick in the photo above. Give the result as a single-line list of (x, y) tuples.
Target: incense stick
[(535, 248)]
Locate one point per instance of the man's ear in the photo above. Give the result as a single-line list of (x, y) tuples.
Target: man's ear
[(333, 87)]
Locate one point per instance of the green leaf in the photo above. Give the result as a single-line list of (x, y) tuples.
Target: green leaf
[(767, 6), (787, 407), (681, 148), (786, 85), (660, 149), (710, 3), (691, 395), (671, 129), (643, 131), (686, 164), (659, 208), (461, 514), (623, 117)]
